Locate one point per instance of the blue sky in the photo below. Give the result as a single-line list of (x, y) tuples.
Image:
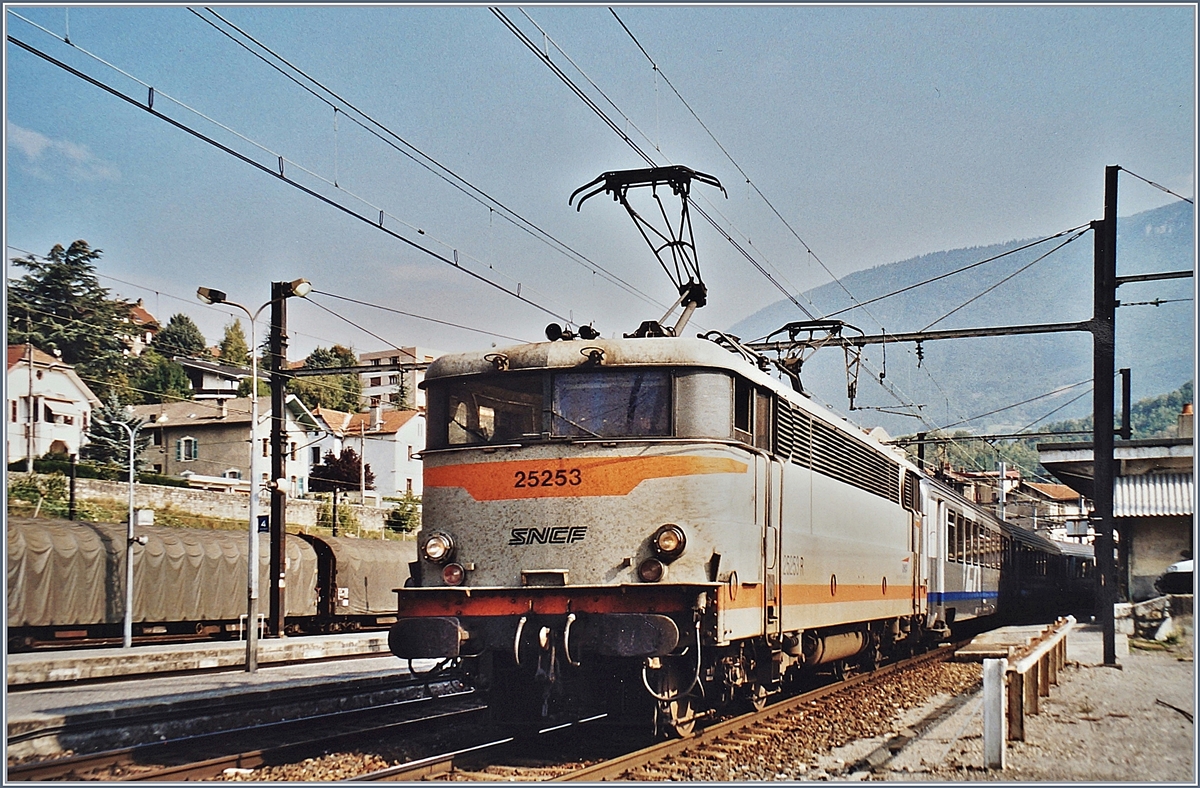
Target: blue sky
[(878, 133)]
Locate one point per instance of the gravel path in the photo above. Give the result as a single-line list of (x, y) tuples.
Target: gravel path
[(1099, 724)]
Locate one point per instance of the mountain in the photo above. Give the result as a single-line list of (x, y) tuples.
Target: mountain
[(961, 379)]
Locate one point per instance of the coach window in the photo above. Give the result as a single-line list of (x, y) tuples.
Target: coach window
[(951, 537), (484, 410)]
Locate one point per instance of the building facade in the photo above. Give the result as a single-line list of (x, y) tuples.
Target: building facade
[(400, 373), (209, 440), (49, 407), (1153, 501)]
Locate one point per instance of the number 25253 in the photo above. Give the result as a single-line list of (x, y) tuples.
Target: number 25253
[(544, 477)]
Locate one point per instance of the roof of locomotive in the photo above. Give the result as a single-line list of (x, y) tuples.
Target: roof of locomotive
[(638, 352), (648, 351)]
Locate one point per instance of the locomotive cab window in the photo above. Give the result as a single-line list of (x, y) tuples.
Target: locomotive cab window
[(486, 410), (624, 403), (524, 407)]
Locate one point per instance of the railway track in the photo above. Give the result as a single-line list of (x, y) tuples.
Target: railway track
[(447, 738), (717, 741), (210, 755), (529, 758)]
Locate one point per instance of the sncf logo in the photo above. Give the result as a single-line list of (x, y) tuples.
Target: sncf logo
[(557, 535)]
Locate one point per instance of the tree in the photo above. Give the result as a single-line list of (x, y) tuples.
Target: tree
[(234, 349), (60, 305), (338, 392), (340, 473), (180, 337), (160, 379), (108, 443)]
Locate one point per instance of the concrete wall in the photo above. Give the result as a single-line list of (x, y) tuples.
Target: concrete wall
[(1154, 544), (207, 503)]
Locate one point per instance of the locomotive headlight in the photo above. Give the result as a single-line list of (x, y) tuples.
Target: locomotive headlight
[(668, 542), (438, 548), (651, 570)]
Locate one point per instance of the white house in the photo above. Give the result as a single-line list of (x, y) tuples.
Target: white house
[(49, 406), (211, 379), (387, 440)]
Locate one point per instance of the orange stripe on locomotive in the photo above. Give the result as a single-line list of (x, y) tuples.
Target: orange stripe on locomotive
[(582, 477)]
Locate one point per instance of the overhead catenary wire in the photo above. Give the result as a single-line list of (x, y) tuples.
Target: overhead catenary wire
[(366, 330), (416, 316), (570, 83), (1055, 392), (959, 270), (423, 159), (282, 176), (1020, 270), (901, 398), (1158, 186), (281, 162), (659, 73)]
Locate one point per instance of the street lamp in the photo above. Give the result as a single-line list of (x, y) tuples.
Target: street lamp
[(299, 287), (130, 539)]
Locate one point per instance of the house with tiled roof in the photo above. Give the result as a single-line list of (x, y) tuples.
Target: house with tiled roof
[(1054, 510), (203, 440), (390, 441), (145, 327), (387, 440), (48, 406)]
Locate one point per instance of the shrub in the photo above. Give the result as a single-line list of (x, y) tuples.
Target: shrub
[(347, 519), (406, 516)]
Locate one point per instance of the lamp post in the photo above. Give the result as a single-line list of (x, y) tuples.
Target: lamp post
[(208, 295), (130, 538)]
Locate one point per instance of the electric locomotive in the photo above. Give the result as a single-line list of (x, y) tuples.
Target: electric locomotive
[(653, 527)]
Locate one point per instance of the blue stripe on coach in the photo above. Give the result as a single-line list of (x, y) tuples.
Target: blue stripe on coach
[(940, 597)]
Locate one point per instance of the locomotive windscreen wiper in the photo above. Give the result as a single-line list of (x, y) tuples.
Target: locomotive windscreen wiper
[(575, 424)]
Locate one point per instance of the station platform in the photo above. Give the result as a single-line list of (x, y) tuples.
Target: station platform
[(42, 667), (1128, 723), (121, 697)]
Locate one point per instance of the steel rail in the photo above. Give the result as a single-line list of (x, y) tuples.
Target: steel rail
[(443, 764), (139, 755), (616, 767)]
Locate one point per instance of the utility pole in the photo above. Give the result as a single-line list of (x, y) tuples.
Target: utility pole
[(1103, 329), (1104, 319), (1001, 493), (278, 349), (29, 402)]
